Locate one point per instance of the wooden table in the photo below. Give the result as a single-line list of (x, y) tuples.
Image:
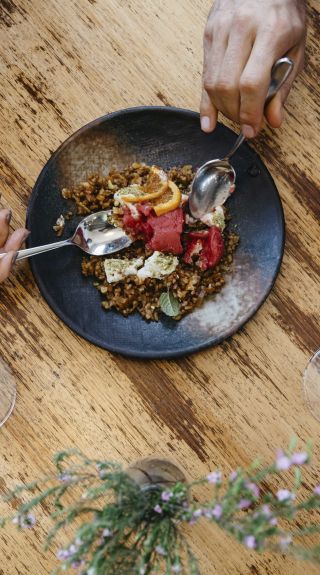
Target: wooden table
[(63, 64)]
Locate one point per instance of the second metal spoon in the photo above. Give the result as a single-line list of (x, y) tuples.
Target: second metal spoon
[(95, 235), (214, 180)]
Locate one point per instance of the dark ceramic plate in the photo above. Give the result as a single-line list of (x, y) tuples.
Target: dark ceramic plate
[(166, 137)]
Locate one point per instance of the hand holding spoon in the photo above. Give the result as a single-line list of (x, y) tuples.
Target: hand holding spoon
[(214, 180)]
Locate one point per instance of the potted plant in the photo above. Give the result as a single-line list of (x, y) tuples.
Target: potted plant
[(131, 522)]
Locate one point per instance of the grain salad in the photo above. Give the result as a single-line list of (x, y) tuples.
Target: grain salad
[(173, 257)]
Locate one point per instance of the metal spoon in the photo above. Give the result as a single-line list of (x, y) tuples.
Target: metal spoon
[(94, 235), (214, 180)]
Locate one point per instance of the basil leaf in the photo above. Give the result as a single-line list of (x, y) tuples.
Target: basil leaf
[(169, 304)]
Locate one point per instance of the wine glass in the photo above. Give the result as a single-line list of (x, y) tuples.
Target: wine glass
[(311, 384), (7, 391)]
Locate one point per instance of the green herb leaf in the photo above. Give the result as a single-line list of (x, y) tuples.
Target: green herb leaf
[(169, 304)]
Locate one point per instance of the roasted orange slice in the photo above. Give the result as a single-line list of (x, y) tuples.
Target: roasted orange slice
[(170, 200), (156, 185)]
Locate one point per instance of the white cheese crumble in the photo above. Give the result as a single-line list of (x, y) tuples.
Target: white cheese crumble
[(215, 218), (158, 265), (184, 199), (190, 219), (133, 190), (133, 210), (116, 270)]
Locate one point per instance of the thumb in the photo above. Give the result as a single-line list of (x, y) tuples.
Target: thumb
[(274, 112)]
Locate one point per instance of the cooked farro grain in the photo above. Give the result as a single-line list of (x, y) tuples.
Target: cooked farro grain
[(188, 283)]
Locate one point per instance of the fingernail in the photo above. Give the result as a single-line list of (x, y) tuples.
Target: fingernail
[(26, 234), (8, 217), (14, 257), (205, 123), (248, 131)]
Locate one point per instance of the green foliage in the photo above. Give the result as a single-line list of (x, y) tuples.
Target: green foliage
[(120, 527)]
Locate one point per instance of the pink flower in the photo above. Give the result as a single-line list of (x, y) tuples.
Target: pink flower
[(157, 509), (266, 510), (77, 564), (317, 490), (250, 542), (160, 550), (106, 532), (254, 489), (65, 477), (197, 513), (283, 462), (217, 511), (195, 516), (176, 568), (214, 477), (273, 521), (244, 503), (285, 495), (233, 475), (299, 458), (166, 495), (62, 554)]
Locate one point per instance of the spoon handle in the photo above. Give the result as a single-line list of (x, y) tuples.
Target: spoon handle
[(280, 72), (236, 145), (22, 254)]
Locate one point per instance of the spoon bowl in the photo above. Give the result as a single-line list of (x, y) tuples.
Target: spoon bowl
[(213, 184), (95, 235)]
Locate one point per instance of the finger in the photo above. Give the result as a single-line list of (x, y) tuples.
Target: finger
[(208, 113), (254, 83), (213, 58), (6, 264), (227, 94), (215, 45), (5, 217), (16, 240), (274, 112)]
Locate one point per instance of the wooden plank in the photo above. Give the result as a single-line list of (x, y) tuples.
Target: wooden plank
[(63, 64)]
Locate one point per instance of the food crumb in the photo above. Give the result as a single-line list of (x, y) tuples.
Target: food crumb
[(60, 225)]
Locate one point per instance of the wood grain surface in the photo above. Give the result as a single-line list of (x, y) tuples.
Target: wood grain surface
[(63, 64)]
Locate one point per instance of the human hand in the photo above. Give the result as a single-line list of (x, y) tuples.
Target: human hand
[(9, 245), (242, 41)]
